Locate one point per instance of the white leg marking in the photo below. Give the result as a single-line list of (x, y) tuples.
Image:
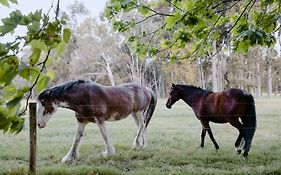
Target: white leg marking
[(139, 142), (241, 146), (73, 152), (134, 115), (109, 148)]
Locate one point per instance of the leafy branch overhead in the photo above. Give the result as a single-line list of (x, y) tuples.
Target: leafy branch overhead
[(43, 35), (187, 29)]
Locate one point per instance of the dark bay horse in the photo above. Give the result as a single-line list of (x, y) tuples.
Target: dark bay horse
[(219, 107), (96, 103)]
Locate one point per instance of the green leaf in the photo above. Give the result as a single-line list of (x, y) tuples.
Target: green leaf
[(42, 83), (243, 46), (9, 91), (170, 22), (25, 20), (3, 50), (143, 11), (14, 1), (39, 44), (33, 59), (4, 2), (66, 35), (37, 15), (34, 72), (60, 48), (14, 102), (17, 125), (6, 29), (25, 73), (8, 69), (34, 27), (51, 74)]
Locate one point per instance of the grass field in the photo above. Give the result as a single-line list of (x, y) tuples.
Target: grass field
[(173, 137)]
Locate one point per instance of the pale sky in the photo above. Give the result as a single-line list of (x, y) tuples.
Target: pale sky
[(26, 6)]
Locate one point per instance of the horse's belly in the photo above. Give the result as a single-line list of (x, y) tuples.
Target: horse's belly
[(116, 116), (217, 119)]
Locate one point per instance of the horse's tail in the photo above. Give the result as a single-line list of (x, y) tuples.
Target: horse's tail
[(151, 107), (249, 122)]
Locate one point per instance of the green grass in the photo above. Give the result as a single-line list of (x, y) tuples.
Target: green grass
[(173, 137)]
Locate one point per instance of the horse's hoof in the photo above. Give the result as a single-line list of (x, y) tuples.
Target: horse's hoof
[(136, 147), (239, 151), (108, 154), (67, 159), (245, 155)]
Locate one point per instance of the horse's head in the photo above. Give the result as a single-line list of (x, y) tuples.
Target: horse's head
[(46, 108), (174, 96)]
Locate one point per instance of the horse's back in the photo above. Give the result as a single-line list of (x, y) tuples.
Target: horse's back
[(121, 100), (226, 105), (139, 95)]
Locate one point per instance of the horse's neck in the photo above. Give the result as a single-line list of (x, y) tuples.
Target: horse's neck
[(194, 99)]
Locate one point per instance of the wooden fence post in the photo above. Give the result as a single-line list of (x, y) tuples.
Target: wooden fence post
[(32, 137)]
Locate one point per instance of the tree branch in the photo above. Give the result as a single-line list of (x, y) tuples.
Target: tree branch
[(238, 19), (154, 11), (170, 2), (35, 82), (43, 65), (146, 18)]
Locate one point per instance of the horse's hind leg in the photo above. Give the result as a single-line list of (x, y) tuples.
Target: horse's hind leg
[(109, 148), (73, 153), (238, 143), (139, 142), (207, 127), (135, 118)]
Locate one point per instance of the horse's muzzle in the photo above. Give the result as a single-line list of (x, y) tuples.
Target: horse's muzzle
[(41, 126), (168, 106)]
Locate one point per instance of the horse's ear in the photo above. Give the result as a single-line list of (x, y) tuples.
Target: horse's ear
[(173, 85)]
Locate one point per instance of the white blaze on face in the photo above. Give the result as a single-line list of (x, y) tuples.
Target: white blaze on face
[(63, 105), (42, 119)]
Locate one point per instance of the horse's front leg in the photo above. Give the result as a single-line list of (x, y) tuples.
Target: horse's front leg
[(73, 153), (109, 147), (139, 142), (203, 134)]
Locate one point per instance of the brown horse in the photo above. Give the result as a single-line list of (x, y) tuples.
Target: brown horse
[(219, 107), (96, 103)]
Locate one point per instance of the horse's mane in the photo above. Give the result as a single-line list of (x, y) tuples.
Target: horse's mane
[(194, 88), (59, 90)]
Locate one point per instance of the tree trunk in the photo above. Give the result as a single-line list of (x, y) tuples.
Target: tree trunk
[(108, 69), (214, 74), (214, 68), (269, 82), (258, 86), (201, 73)]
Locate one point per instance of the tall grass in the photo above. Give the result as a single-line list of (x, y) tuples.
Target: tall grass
[(173, 137)]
